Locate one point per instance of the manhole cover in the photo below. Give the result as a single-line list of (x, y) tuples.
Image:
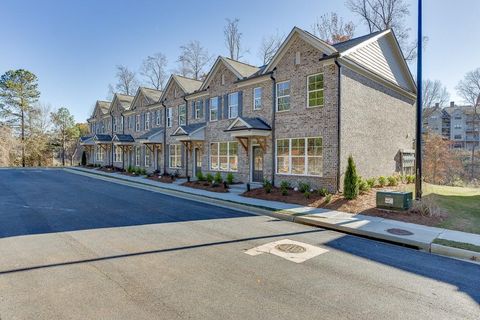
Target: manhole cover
[(399, 232), (290, 248)]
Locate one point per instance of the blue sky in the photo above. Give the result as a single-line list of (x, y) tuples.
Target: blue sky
[(73, 46)]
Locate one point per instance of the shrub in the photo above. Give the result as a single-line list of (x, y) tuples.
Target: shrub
[(209, 177), (84, 158), (138, 171), (323, 192), (392, 180), (230, 178), (307, 194), (382, 181), (350, 182), (284, 186), (363, 185), (410, 178), (328, 198), (371, 182), (200, 176), (303, 187), (218, 178), (426, 207), (267, 186), (143, 172)]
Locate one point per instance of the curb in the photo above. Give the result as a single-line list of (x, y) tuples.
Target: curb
[(472, 256)]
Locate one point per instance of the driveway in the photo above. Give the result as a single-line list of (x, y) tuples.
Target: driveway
[(74, 247)]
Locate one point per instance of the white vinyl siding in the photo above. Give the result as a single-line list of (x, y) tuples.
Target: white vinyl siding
[(300, 156), (224, 156)]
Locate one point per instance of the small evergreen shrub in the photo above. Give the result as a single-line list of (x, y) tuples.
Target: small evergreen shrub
[(350, 182), (322, 192), (143, 172), (284, 186), (138, 171), (200, 176), (267, 186), (230, 178), (392, 181), (307, 194), (382, 181), (218, 178), (303, 187), (371, 182), (209, 177)]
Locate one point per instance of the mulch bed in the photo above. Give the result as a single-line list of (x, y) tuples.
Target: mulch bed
[(205, 186), (365, 204), (110, 170), (129, 174), (164, 179)]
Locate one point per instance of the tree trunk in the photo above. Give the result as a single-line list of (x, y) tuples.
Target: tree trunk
[(23, 137)]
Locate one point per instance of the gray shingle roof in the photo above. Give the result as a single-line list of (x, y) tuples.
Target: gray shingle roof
[(345, 45), (245, 70), (103, 137), (104, 106), (150, 133), (254, 123), (152, 95), (188, 84), (123, 138), (84, 138), (191, 128), (125, 100)]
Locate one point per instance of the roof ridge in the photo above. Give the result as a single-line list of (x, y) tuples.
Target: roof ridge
[(238, 61), (184, 77)]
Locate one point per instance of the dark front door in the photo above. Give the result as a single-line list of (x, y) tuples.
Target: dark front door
[(257, 164), (198, 160)]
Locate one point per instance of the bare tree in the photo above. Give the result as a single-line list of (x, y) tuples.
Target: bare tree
[(9, 146), (333, 29), (269, 46), (127, 82), (193, 59), (233, 39), (379, 15), (433, 92), (153, 70)]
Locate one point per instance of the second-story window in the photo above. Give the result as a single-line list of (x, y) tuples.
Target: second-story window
[(257, 98), (157, 117), (182, 115), (232, 105), (169, 117), (115, 124), (283, 96), (137, 122), (147, 121), (214, 109), (315, 90), (198, 110)]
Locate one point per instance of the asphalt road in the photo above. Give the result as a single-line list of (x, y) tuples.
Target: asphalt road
[(73, 247)]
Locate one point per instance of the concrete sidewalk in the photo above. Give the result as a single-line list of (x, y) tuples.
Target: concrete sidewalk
[(409, 234)]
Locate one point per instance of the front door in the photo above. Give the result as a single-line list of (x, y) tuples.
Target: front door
[(257, 164), (198, 160)]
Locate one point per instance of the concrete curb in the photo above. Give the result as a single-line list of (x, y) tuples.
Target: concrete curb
[(471, 256)]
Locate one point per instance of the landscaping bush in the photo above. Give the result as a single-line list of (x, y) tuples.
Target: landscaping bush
[(322, 192), (363, 185), (230, 178), (267, 186), (371, 182), (307, 194), (382, 181), (209, 177), (200, 176), (392, 181), (84, 158), (143, 172), (410, 178), (328, 198), (303, 187), (137, 171), (350, 182), (284, 186), (218, 178), (426, 207)]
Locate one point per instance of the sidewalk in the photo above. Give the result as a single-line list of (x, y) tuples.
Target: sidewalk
[(410, 234)]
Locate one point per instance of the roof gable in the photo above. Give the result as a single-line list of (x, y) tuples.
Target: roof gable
[(186, 85), (120, 102), (239, 69), (101, 108)]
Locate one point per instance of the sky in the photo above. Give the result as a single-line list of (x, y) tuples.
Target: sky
[(73, 46)]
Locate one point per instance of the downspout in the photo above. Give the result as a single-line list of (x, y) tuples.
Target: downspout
[(338, 123), (186, 151), (164, 136), (111, 149), (274, 95)]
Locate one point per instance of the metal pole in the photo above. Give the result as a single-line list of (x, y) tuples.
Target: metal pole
[(418, 140)]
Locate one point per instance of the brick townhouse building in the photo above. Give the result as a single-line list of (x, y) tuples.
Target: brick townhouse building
[(298, 118)]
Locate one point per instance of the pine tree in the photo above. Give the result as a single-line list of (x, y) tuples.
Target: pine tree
[(350, 182)]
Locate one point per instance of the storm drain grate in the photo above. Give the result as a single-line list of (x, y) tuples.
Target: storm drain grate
[(290, 248), (399, 232)]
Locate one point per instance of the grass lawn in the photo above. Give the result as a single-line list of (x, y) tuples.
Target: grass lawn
[(462, 205)]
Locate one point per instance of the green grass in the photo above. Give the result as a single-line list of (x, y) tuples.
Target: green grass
[(459, 245), (461, 204)]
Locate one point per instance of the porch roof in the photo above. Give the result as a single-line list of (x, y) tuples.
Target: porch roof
[(191, 132), (155, 135)]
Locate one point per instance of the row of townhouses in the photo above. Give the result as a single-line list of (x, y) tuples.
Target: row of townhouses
[(460, 124), (298, 118)]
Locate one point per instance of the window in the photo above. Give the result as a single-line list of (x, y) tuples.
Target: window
[(137, 122), (182, 115), (117, 156), (169, 117), (137, 156), (121, 123), (315, 90), (147, 121), (257, 98), (232, 105), (157, 117), (458, 137), (458, 117), (300, 156), (147, 156), (198, 110), (214, 109), (224, 156), (458, 126), (283, 96), (100, 154), (115, 124), (130, 122), (175, 156)]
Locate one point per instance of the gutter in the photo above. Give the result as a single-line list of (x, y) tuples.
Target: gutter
[(338, 122), (274, 95), (164, 136)]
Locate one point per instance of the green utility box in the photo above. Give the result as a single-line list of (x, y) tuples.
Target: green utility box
[(394, 200)]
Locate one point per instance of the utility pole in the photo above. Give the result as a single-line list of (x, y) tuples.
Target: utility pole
[(418, 140)]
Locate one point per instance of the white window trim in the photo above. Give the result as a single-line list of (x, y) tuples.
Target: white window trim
[(118, 154), (147, 121), (230, 106), (114, 124), (176, 155), (210, 109), (218, 156), (290, 158), (185, 121), (254, 98), (157, 117), (278, 97), (308, 91), (169, 117), (196, 107), (138, 155)]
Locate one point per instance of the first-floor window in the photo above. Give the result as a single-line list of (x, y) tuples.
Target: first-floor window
[(147, 156), (117, 156), (100, 154), (175, 156), (300, 156), (137, 156), (224, 156)]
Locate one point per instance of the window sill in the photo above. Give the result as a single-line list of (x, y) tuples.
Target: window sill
[(283, 111), (315, 107), (299, 175)]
